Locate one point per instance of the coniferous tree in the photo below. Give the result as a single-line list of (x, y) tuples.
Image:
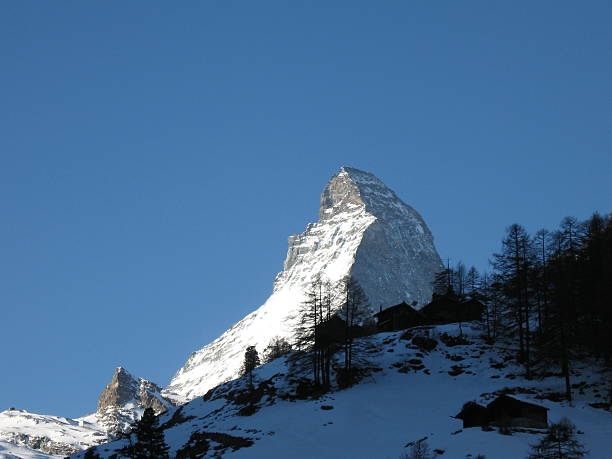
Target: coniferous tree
[(443, 281), (354, 311), (277, 347), (150, 442), (419, 450), (460, 277), (251, 361), (484, 295), (472, 282), (91, 454), (512, 266), (541, 244), (313, 332), (559, 443), (563, 325)]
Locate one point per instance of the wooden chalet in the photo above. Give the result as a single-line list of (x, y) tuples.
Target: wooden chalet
[(447, 308), (504, 411), (442, 308), (473, 415), (398, 317), (334, 331), (472, 309)]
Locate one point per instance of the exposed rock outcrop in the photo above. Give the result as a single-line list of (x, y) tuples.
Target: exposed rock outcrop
[(124, 400)]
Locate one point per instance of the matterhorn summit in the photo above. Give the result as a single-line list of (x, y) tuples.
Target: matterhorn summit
[(365, 231)]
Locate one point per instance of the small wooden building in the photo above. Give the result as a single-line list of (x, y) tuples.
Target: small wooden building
[(334, 331), (504, 411), (472, 310), (473, 415), (442, 309), (398, 317), (447, 308)]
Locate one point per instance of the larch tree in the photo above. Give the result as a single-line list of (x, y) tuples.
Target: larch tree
[(512, 266), (251, 361), (560, 442), (354, 311)]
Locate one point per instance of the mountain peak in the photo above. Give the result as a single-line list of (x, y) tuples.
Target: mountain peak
[(364, 231), (121, 372), (352, 190)]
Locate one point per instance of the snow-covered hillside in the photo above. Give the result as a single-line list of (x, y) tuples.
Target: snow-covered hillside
[(48, 434), (10, 450), (364, 230), (409, 394)]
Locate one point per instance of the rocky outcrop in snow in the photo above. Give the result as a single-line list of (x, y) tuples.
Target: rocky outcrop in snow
[(123, 401), (364, 230)]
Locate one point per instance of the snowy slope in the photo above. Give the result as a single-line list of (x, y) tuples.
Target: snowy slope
[(365, 230), (408, 396), (48, 434), (12, 451)]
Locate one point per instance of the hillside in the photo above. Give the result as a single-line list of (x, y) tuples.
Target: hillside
[(407, 394)]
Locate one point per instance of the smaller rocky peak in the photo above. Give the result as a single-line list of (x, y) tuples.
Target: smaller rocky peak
[(122, 389), (125, 398)]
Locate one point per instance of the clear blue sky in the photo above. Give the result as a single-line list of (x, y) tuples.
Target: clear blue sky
[(155, 156)]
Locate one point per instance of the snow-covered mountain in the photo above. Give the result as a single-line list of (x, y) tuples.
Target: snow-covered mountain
[(364, 230)]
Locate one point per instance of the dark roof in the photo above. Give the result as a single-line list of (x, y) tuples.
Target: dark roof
[(470, 408), (402, 307), (506, 399), (473, 301)]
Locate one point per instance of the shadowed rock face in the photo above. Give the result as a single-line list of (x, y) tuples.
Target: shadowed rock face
[(364, 230)]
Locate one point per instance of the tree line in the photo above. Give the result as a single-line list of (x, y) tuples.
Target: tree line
[(329, 319), (550, 293)]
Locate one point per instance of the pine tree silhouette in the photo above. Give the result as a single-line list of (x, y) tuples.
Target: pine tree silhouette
[(91, 454), (150, 439)]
